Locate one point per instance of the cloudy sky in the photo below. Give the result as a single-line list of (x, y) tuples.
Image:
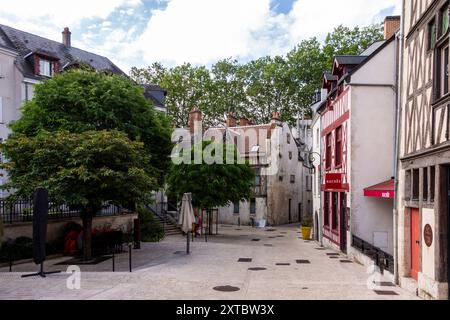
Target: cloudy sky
[(139, 32)]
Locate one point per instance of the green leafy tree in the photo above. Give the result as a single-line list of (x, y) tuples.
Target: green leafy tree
[(83, 170), (212, 185), (80, 100)]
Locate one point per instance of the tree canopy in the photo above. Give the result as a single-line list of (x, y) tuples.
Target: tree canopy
[(80, 100), (82, 170), (257, 88), (212, 185)]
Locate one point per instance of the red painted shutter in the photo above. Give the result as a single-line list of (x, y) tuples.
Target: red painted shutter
[(56, 66)]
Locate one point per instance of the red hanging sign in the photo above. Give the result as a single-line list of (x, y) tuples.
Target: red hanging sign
[(334, 181)]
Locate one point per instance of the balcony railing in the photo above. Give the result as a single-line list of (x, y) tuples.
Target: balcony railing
[(382, 259)]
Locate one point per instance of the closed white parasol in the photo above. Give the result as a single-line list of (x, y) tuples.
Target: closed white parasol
[(187, 217)]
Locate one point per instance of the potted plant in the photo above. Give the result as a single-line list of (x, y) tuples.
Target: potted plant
[(307, 225)]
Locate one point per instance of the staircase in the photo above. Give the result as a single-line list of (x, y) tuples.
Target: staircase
[(169, 226)]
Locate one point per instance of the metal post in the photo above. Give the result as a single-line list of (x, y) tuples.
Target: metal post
[(10, 260), (206, 235), (130, 248), (187, 247), (114, 261)]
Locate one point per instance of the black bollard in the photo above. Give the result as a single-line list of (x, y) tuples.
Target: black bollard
[(187, 246), (114, 261), (130, 248)]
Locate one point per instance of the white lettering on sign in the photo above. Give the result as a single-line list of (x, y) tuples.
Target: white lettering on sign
[(386, 195)]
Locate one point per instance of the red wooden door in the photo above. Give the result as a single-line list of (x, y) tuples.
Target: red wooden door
[(415, 243)]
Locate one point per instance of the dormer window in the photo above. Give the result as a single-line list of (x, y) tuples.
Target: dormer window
[(45, 68)]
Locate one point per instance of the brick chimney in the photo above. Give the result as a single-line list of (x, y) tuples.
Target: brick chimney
[(244, 122), (391, 25), (195, 121), (276, 118), (66, 37), (231, 120)]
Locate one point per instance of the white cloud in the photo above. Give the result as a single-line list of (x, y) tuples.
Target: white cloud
[(196, 31), (45, 15)]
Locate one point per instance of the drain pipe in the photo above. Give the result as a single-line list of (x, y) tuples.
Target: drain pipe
[(398, 116)]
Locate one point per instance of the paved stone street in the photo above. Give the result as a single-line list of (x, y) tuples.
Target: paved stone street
[(163, 271)]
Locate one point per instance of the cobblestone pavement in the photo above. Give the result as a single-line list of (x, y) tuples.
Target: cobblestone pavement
[(283, 267)]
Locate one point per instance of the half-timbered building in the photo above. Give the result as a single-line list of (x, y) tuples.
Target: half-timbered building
[(357, 155), (424, 152)]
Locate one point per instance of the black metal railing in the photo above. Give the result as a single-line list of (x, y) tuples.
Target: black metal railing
[(21, 211), (382, 259)]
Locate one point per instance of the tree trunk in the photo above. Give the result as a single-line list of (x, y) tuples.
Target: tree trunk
[(87, 236)]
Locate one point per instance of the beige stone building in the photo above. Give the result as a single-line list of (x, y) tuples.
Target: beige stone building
[(273, 152), (423, 190)]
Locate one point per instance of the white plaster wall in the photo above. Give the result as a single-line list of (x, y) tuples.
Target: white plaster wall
[(10, 91), (428, 253), (372, 160)]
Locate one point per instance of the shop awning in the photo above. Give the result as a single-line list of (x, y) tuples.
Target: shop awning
[(383, 190)]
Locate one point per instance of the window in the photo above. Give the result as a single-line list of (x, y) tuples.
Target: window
[(290, 155), (258, 178), (289, 139), (443, 20), (443, 71), (326, 209), (338, 151), (253, 206), (432, 34), (27, 91), (425, 185), (45, 68), (335, 210), (415, 185), (432, 183), (280, 178), (236, 208), (292, 178), (328, 154)]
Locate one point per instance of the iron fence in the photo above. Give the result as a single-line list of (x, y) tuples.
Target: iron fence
[(382, 259), (21, 211)]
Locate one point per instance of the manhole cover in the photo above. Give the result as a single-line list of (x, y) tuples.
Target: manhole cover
[(305, 288), (256, 240), (321, 249), (386, 293), (283, 264), (332, 254), (257, 269), (346, 261), (245, 260), (283, 232), (333, 257), (272, 237), (226, 289), (179, 252), (271, 230), (280, 236), (268, 245), (303, 261)]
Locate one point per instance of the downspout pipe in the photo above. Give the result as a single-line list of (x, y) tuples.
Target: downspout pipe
[(398, 115)]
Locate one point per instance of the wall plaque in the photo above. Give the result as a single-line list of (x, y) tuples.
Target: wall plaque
[(428, 235)]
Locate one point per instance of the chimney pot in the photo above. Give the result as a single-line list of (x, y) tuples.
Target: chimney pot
[(195, 120), (244, 122), (66, 37)]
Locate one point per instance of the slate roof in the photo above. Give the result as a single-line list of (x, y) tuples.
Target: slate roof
[(350, 60), (155, 94), (26, 43)]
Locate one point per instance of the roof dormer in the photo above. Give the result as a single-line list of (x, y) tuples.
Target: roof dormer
[(44, 64)]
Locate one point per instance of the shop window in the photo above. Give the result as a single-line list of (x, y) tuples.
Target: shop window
[(326, 209), (292, 178), (334, 211), (258, 178)]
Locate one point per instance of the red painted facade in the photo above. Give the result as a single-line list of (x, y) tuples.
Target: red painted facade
[(335, 183)]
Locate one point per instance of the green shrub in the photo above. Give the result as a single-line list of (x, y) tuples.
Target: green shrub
[(151, 229), (307, 222)]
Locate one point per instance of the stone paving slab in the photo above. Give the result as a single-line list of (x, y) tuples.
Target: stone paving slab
[(159, 274)]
